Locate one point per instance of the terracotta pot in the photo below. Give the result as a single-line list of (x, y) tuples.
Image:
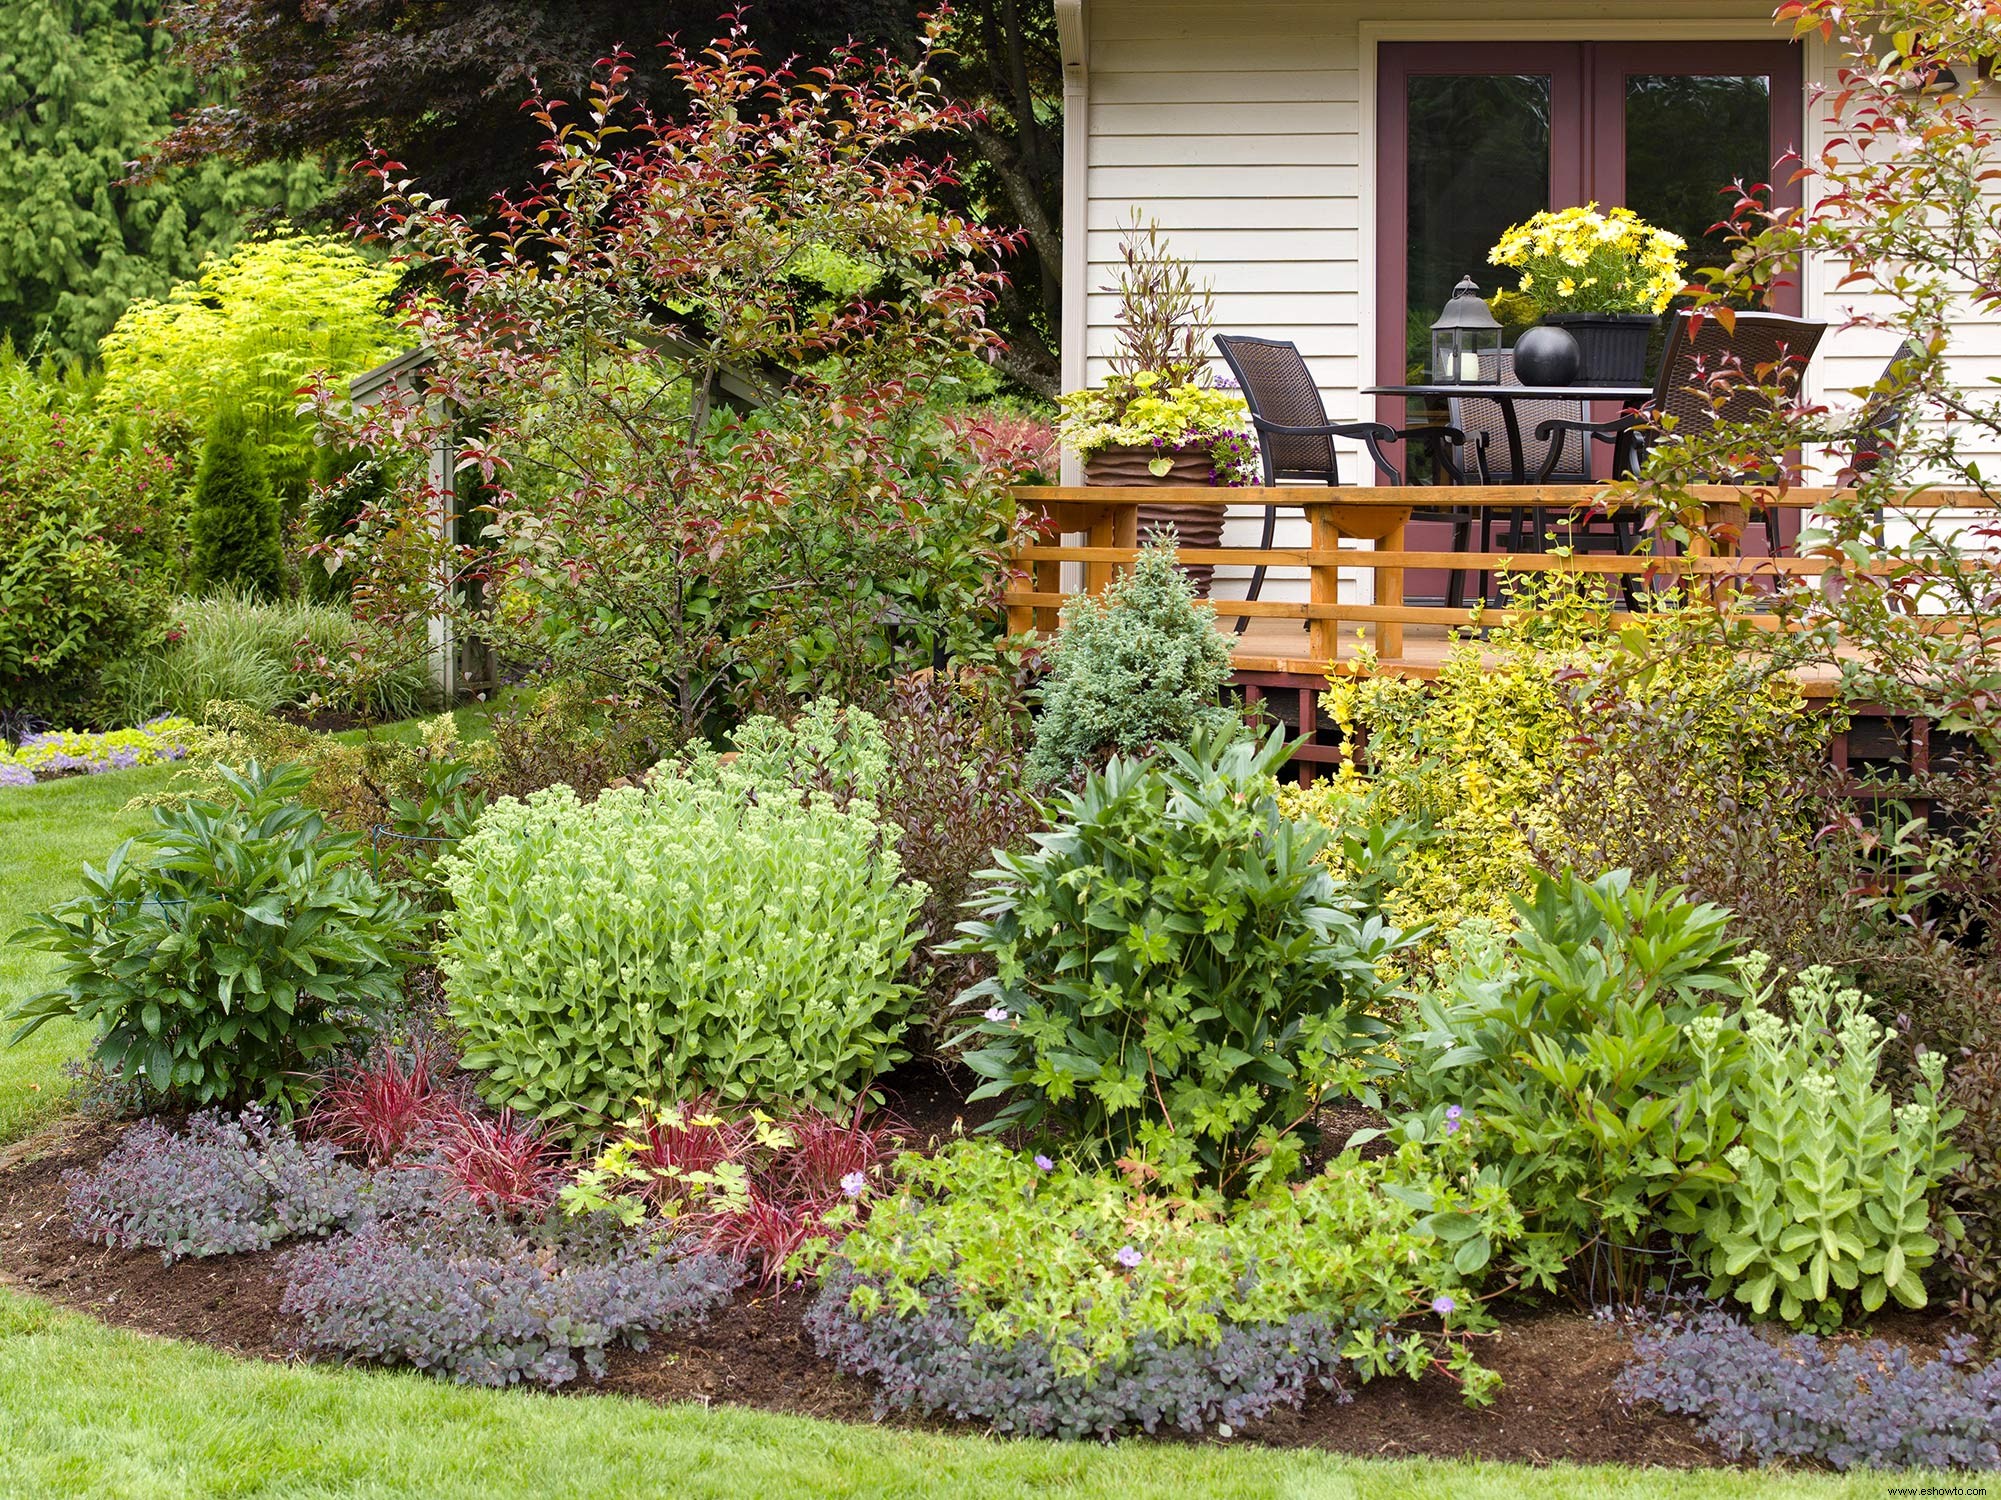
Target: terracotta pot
[(1193, 526)]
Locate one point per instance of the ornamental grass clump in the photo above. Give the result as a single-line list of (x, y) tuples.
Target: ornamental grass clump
[(1041, 1297), (1143, 665), (1174, 974), (677, 938)]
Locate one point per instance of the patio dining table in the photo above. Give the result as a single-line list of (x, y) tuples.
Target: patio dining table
[(1507, 395)]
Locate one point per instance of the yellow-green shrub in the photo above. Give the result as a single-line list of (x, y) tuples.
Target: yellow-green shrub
[(1480, 760)]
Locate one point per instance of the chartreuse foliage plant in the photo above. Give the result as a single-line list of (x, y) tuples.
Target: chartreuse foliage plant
[(228, 952), (1828, 1203), (1569, 1045), (1098, 1273), (249, 331), (677, 938), (1142, 665), (1472, 763), (1174, 975)]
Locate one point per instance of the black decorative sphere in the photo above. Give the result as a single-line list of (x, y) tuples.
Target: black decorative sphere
[(1547, 356)]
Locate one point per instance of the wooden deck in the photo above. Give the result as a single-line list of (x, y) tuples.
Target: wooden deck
[(1094, 530)]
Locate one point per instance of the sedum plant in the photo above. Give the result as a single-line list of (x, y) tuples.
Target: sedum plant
[(1174, 975), (1832, 1182), (676, 938), (229, 952), (1142, 665)]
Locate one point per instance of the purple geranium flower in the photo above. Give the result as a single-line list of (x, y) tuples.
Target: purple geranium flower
[(1128, 1257), (997, 1013), (1043, 1163), (1443, 1306), (855, 1184)]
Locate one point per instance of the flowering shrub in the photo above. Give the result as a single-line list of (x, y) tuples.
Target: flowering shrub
[(1141, 665), (229, 1184), (1144, 411), (1174, 976), (1844, 1405), (676, 938), (237, 953), (45, 755), (641, 536), (1065, 1278), (1577, 260), (486, 1303)]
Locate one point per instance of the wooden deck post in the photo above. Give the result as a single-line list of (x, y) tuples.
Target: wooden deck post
[(1324, 583), (1389, 591)]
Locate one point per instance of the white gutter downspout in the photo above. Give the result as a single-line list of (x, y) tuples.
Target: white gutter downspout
[(1073, 43)]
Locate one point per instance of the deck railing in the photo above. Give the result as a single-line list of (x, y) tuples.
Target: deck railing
[(1108, 516)]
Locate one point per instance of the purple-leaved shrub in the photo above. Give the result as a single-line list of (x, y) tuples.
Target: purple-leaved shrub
[(1847, 1405), (230, 1184), (930, 1362), (458, 1293)]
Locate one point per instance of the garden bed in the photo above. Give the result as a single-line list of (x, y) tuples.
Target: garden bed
[(1557, 1401)]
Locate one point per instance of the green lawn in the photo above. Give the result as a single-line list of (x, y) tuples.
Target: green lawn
[(48, 832), (91, 1411)]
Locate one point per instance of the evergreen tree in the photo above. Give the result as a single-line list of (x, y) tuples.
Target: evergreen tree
[(88, 89), (235, 527)]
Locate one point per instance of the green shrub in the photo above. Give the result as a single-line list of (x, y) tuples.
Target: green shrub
[(681, 937), (1090, 1264), (1174, 974), (266, 655), (228, 953), (1569, 1045), (235, 531), (1140, 666), (89, 542), (1829, 1202)]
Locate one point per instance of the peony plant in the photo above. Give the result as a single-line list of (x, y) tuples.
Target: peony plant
[(1577, 260)]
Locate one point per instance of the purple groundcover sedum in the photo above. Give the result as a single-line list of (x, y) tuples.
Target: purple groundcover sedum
[(1847, 1405)]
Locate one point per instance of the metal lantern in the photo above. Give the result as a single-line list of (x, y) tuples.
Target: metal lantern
[(1464, 331)]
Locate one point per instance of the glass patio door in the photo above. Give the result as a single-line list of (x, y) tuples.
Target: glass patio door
[(1473, 137)]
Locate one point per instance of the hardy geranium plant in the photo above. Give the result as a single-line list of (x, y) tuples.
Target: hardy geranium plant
[(1577, 260)]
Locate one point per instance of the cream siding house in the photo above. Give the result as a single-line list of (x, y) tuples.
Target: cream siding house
[(1249, 130)]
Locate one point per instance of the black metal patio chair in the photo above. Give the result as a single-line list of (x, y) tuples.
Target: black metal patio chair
[(1297, 442)]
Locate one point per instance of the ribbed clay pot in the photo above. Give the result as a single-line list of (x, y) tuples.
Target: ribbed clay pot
[(1194, 526)]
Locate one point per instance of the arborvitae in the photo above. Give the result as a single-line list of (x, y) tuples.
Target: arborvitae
[(235, 527)]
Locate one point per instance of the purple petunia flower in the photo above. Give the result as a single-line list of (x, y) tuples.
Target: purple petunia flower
[(855, 1184), (1128, 1257), (1043, 1163), (1443, 1306)]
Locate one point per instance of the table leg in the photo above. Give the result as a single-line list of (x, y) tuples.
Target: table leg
[(1389, 590)]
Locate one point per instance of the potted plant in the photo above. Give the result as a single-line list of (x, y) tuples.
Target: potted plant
[(1604, 279), (1159, 418)]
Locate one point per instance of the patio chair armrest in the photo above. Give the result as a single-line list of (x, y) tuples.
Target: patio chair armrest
[(1609, 431), (1440, 441), (1371, 434), (1624, 432)]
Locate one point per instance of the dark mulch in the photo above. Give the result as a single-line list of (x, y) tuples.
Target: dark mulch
[(1558, 1367)]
